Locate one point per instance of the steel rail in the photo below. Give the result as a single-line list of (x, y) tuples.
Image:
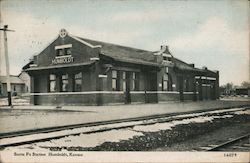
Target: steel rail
[(170, 117), (230, 142), (91, 124), (61, 128)]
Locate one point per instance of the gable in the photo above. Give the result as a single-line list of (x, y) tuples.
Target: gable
[(66, 50)]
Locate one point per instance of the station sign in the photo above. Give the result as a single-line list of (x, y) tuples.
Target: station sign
[(62, 59)]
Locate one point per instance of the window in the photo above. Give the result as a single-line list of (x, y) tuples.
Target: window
[(135, 82), (78, 82), (60, 52), (68, 51), (114, 80), (186, 85), (166, 69), (63, 52), (165, 82), (65, 83), (165, 58), (124, 81), (52, 83)]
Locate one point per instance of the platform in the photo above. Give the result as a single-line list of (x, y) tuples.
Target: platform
[(21, 118)]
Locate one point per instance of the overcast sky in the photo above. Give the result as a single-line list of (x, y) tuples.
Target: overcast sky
[(210, 33)]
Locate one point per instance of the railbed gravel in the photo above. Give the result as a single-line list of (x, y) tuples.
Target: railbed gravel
[(164, 138)]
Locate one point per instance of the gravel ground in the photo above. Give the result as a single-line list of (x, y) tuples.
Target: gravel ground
[(182, 137), (217, 136), (185, 136), (167, 138)]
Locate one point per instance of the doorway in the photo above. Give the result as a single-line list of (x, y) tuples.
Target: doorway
[(151, 87), (126, 86)]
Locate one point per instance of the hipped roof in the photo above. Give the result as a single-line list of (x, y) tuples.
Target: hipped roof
[(130, 55), (134, 55), (185, 66), (123, 53)]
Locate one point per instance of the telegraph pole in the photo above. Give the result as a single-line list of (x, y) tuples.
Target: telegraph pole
[(5, 29)]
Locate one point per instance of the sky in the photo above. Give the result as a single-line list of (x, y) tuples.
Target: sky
[(207, 33)]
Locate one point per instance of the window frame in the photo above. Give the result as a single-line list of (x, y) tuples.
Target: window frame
[(114, 80), (166, 69), (166, 59), (165, 82), (124, 82), (58, 52), (186, 84), (78, 78), (64, 52), (62, 83), (135, 81), (52, 80)]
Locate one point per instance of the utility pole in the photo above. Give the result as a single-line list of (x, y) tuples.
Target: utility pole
[(5, 29)]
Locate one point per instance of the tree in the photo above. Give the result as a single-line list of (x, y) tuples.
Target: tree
[(229, 86), (245, 84), (227, 89)]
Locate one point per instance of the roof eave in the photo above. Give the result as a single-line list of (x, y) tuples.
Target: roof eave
[(141, 62), (59, 66)]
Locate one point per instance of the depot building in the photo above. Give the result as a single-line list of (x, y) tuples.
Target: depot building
[(79, 71)]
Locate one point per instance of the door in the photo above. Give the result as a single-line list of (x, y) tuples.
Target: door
[(213, 96), (181, 83), (126, 86), (151, 87)]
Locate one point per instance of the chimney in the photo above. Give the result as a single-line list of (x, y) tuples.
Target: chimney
[(192, 65), (204, 68)]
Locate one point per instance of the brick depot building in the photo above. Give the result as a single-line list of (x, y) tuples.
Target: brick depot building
[(78, 71)]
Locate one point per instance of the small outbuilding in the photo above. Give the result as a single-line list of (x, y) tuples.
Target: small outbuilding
[(242, 91), (17, 86)]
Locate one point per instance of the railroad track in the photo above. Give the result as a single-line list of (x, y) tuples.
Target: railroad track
[(241, 143), (19, 138)]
